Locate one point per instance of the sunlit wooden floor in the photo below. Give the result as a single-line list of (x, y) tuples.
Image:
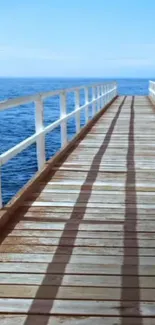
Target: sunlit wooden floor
[(81, 249)]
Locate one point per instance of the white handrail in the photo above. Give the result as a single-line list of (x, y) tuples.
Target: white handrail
[(152, 89), (102, 94)]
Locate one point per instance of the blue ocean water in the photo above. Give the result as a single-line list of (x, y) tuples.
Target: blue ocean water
[(17, 124)]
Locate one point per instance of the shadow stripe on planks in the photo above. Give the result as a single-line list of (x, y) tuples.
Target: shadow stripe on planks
[(91, 177), (131, 226)]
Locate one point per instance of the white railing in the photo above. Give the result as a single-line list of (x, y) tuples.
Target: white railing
[(152, 90), (102, 94)]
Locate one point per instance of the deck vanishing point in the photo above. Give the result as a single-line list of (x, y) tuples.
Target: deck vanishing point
[(78, 243)]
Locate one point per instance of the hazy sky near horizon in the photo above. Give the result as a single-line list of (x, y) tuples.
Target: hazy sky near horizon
[(77, 38)]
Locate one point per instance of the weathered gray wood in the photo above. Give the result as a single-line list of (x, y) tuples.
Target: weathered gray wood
[(87, 259), (81, 234), (88, 250), (71, 292), (82, 268), (83, 243), (75, 307), (77, 280), (12, 319)]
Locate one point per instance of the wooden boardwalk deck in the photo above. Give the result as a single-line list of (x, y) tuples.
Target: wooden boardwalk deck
[(81, 248)]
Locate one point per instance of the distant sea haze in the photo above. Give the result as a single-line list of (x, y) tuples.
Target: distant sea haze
[(18, 123)]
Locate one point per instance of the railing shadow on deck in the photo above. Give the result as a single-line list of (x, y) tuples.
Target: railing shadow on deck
[(91, 177), (130, 200)]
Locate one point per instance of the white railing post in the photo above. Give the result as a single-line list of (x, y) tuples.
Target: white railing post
[(104, 97), (152, 90), (149, 88), (113, 92), (86, 103), (108, 95), (102, 94), (93, 98), (77, 115), (98, 95), (116, 90), (64, 123), (39, 124), (101, 97), (104, 91)]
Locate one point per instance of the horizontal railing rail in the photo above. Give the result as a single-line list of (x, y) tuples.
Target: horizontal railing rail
[(101, 95), (152, 89)]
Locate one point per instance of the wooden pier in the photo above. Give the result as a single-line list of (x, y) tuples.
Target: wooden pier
[(78, 243)]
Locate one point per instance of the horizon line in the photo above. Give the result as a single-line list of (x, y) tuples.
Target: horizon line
[(71, 77)]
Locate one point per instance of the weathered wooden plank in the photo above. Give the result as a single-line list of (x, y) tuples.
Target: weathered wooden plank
[(87, 259), (75, 307), (148, 227), (81, 234), (79, 293), (114, 211), (83, 250), (13, 319), (110, 197), (98, 216), (96, 191), (97, 185), (70, 175), (76, 280), (82, 268), (84, 242), (47, 197), (111, 212)]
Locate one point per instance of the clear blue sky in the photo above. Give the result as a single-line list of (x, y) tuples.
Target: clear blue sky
[(74, 38)]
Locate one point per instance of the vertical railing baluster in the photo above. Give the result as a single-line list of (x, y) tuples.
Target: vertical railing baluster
[(64, 123), (109, 88), (77, 116), (98, 99), (104, 94), (116, 90), (94, 104), (101, 97), (39, 125), (101, 100), (86, 103), (108, 95), (110, 92)]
